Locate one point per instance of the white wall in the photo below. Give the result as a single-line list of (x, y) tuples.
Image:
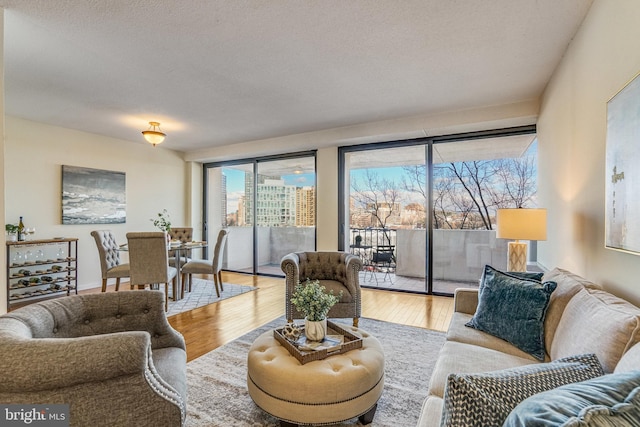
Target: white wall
[(327, 199), (3, 256), (602, 58), (156, 179)]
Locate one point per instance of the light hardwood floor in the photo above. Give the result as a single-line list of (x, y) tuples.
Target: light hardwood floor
[(209, 327)]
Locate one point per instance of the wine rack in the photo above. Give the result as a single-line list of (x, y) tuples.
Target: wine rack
[(41, 269)]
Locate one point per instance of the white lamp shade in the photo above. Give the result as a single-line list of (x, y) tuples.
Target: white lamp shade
[(522, 224)]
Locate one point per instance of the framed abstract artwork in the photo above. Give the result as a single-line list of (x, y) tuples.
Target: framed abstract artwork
[(622, 185), (93, 196)]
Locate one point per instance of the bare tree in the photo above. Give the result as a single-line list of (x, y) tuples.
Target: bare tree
[(467, 194), (378, 196), (516, 182), (473, 177)]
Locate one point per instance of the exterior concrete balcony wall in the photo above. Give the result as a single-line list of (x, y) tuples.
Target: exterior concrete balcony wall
[(458, 255)]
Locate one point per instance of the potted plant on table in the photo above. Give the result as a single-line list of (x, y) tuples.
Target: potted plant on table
[(314, 301), (163, 223), (12, 232)]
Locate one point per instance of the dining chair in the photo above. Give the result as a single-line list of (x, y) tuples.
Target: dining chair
[(109, 254), (149, 262), (184, 235), (204, 266)]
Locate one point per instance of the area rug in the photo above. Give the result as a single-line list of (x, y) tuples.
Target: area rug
[(217, 381), (203, 292)]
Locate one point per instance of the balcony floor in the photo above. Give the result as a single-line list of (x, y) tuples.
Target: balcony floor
[(391, 281)]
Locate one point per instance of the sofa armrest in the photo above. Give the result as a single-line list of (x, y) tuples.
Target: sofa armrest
[(36, 364), (290, 265), (465, 300), (353, 265)]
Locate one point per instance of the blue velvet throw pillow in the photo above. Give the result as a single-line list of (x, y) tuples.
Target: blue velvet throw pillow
[(533, 275), (609, 401), (513, 309)]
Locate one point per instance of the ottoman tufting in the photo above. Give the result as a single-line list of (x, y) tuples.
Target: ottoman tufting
[(326, 391)]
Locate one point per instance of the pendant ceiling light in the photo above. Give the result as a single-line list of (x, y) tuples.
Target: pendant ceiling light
[(154, 135)]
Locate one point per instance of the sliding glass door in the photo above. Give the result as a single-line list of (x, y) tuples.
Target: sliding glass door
[(422, 213), (285, 210), (229, 190), (268, 207), (386, 189), (472, 179)]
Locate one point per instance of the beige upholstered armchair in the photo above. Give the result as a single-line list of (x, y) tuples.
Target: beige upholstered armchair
[(113, 357), (337, 271)]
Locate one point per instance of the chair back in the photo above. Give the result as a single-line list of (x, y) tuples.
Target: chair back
[(148, 257), (383, 254), (107, 250), (218, 254), (183, 234)]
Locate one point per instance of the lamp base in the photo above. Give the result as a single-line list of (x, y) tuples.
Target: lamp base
[(517, 256)]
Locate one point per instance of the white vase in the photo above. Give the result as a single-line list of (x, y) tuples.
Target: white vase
[(315, 331)]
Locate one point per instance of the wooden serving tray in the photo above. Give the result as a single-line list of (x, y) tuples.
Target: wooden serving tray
[(351, 342)]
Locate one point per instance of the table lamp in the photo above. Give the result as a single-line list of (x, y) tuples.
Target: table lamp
[(520, 224)]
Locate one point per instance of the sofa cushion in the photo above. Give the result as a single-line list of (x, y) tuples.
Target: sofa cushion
[(597, 322), (610, 400), (459, 332), (513, 309), (487, 399), (431, 411), (460, 358), (630, 361), (569, 284)]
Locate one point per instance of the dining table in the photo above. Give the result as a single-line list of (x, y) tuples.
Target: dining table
[(180, 249)]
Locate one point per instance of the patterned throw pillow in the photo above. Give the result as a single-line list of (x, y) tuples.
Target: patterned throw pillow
[(513, 309), (486, 399), (609, 401)]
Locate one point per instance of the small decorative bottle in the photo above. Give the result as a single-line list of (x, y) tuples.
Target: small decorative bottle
[(20, 231)]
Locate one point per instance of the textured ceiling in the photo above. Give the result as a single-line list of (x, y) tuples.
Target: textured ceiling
[(221, 72)]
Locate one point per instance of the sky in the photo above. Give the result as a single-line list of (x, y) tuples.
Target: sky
[(235, 178)]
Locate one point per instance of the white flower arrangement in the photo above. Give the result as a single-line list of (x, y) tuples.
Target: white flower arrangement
[(163, 221), (313, 300)]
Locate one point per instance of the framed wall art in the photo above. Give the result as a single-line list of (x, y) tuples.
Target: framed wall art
[(93, 196), (622, 188)]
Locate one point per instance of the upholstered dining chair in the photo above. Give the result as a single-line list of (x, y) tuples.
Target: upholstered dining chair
[(184, 235), (336, 271), (110, 263), (149, 262), (208, 267)]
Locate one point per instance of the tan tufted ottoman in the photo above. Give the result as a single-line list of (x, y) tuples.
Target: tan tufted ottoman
[(326, 391)]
